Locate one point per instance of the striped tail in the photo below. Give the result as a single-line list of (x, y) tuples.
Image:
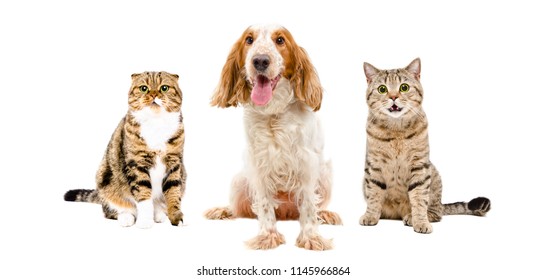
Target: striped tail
[(477, 206), (81, 195)]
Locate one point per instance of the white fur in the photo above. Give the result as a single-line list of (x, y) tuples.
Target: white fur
[(265, 46), (157, 173), (145, 210), (157, 127), (126, 219), (285, 145)]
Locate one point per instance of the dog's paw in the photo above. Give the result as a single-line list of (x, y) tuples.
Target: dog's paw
[(219, 213), (266, 241), (315, 243), (329, 218)]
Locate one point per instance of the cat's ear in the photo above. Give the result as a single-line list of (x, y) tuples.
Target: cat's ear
[(135, 75), (415, 68), (175, 76), (370, 72)]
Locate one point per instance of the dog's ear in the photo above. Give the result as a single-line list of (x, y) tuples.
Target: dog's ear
[(233, 88), (305, 80)]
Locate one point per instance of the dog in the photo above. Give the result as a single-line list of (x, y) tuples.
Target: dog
[(285, 176)]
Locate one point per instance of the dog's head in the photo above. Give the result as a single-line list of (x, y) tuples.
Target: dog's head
[(263, 61)]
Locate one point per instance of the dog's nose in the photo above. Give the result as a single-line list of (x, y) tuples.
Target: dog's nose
[(261, 62)]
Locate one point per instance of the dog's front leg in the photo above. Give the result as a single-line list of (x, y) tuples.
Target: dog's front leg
[(263, 205), (309, 237)]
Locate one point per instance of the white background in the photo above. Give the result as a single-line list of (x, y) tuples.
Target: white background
[(65, 73)]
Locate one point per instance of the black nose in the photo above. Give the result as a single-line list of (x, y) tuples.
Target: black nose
[(261, 62)]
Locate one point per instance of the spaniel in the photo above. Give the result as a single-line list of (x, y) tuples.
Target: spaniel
[(285, 176)]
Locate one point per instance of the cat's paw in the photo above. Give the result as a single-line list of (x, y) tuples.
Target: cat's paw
[(266, 241), (315, 243), (159, 217), (126, 219), (368, 220), (422, 227), (144, 222), (176, 218), (407, 220)]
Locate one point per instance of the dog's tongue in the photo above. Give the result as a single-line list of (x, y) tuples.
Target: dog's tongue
[(262, 91)]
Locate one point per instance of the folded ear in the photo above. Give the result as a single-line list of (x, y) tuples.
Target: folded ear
[(415, 68), (305, 80), (232, 88), (370, 71)]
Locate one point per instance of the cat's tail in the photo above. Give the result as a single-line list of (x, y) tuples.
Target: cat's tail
[(82, 195), (477, 206)]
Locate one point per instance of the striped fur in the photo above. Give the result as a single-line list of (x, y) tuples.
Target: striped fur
[(400, 182), (143, 160)]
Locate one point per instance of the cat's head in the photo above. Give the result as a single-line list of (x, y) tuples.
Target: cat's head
[(395, 93), (156, 90)]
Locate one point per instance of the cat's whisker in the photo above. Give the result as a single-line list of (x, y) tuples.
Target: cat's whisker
[(416, 112), (406, 186), (155, 174)]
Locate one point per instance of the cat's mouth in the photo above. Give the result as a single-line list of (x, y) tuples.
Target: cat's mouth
[(395, 108), (157, 102)]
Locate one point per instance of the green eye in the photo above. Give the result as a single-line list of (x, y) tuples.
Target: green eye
[(382, 89), (404, 87), (164, 88), (143, 89)]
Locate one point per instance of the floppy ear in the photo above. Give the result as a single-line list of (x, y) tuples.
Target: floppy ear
[(305, 80), (232, 88)]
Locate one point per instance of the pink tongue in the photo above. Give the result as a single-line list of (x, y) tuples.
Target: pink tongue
[(262, 91)]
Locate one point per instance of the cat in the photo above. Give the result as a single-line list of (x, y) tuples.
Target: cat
[(142, 176), (400, 182)]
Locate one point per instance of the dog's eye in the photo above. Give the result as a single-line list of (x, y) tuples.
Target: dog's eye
[(404, 87), (249, 40), (143, 89), (382, 89), (280, 41)]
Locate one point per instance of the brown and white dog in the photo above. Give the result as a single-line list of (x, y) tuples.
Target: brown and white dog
[(285, 176)]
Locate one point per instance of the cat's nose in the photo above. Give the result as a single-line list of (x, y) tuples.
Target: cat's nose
[(393, 98)]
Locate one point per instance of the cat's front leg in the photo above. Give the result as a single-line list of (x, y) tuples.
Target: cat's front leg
[(173, 187), (418, 191), (140, 185), (374, 189)]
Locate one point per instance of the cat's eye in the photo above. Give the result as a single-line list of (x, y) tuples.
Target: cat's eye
[(164, 88), (382, 89), (404, 87), (280, 41), (143, 89), (249, 40)]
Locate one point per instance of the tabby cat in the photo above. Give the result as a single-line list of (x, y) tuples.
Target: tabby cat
[(400, 182), (142, 176)]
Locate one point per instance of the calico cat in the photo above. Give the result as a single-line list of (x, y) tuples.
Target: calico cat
[(142, 175), (400, 182)]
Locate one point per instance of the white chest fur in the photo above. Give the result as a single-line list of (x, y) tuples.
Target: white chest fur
[(157, 127)]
